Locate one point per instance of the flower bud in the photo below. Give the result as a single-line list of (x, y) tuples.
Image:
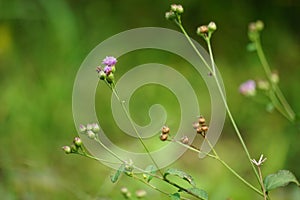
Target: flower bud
[(165, 130), (274, 77), (163, 137), (212, 26), (201, 120), (77, 141), (263, 85), (110, 78), (89, 127), (95, 127), (66, 149), (184, 140), (140, 193), (124, 190), (196, 125), (102, 75), (202, 30), (91, 134), (204, 128), (74, 148), (199, 130), (170, 15), (113, 69), (259, 25), (82, 128)]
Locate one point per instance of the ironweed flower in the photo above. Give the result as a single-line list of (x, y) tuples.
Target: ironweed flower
[(248, 88), (109, 61)]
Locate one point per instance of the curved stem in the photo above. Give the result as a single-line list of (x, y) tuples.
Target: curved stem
[(223, 99), (134, 128)]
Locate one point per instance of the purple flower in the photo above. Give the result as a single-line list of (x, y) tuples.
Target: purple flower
[(109, 61), (107, 69), (248, 88)]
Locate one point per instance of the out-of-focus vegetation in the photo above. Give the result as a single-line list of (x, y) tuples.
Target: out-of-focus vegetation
[(42, 44)]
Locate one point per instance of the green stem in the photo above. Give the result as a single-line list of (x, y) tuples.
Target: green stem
[(216, 156), (274, 86), (262, 183), (222, 96), (231, 170), (134, 128), (277, 105)]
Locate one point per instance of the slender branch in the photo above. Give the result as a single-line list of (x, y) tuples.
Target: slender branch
[(222, 96), (274, 86)]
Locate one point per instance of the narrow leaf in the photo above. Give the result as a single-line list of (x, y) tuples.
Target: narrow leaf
[(175, 196), (180, 174), (279, 179), (151, 171), (116, 176), (202, 194)]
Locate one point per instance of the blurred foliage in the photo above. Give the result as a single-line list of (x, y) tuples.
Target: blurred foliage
[(42, 44)]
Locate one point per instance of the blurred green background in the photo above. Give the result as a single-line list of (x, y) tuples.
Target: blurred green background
[(43, 43)]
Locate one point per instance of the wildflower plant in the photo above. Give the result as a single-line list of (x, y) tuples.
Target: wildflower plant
[(106, 73)]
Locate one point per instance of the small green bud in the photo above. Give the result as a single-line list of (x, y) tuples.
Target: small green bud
[(113, 69), (252, 27), (82, 128), (259, 25), (124, 190), (66, 149), (74, 148), (170, 15), (95, 128), (102, 75), (212, 26), (140, 193), (274, 77), (89, 127), (110, 78), (91, 134), (77, 141), (263, 85), (177, 8)]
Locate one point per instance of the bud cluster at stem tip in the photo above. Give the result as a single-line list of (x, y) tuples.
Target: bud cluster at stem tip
[(175, 12), (206, 30), (107, 73)]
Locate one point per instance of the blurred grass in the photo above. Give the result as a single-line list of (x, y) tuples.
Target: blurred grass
[(42, 44)]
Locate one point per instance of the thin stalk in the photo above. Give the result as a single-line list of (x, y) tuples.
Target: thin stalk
[(262, 183), (216, 156), (275, 87), (277, 105), (232, 170), (223, 98), (135, 130)]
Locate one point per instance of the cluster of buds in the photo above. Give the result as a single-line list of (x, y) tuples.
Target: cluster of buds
[(164, 133), (138, 193), (90, 130), (254, 29), (74, 147), (201, 126), (175, 12), (107, 73), (206, 30)]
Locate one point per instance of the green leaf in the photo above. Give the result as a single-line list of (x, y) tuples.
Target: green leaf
[(116, 176), (180, 174), (280, 179), (202, 194), (151, 170), (175, 196)]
